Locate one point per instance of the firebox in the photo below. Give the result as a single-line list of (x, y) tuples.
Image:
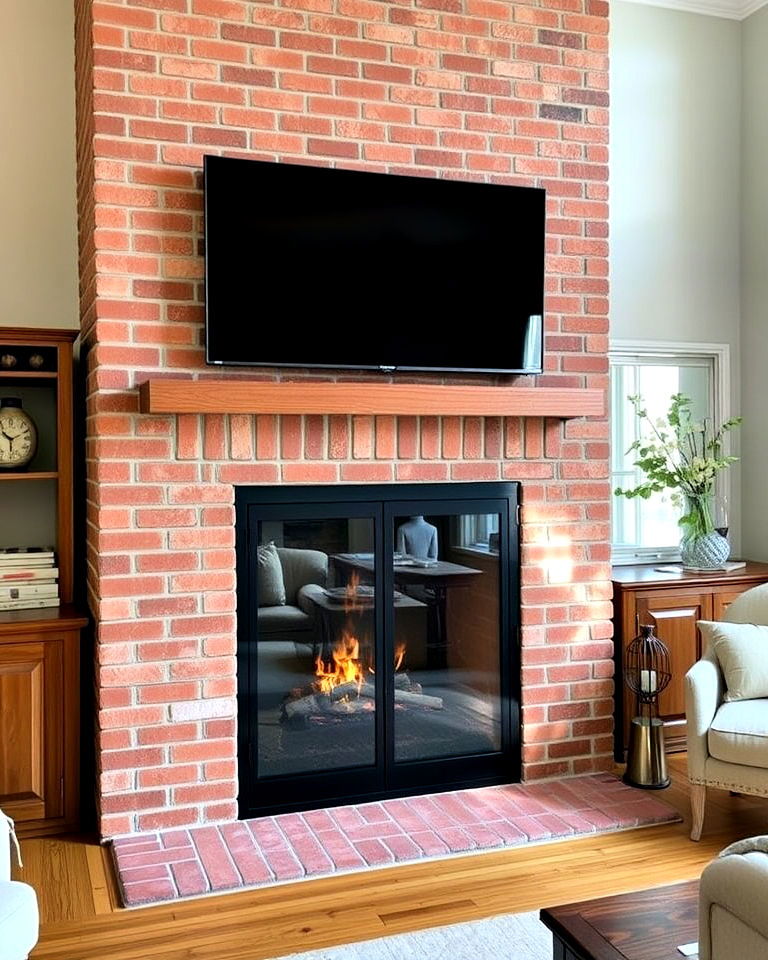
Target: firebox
[(378, 641)]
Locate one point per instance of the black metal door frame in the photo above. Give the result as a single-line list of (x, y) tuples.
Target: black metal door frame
[(386, 777)]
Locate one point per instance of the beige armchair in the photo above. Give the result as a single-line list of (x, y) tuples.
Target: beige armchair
[(727, 742), (19, 918), (733, 920)]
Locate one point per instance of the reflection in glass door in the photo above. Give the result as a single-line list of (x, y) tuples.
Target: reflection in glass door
[(447, 641), (316, 645), (377, 641)]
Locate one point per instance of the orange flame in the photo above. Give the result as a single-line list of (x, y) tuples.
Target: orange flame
[(399, 655), (346, 667), (351, 596)]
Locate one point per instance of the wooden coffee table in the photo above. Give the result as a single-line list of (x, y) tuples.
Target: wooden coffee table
[(649, 925)]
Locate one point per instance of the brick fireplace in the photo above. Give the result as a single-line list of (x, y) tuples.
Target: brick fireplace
[(501, 91)]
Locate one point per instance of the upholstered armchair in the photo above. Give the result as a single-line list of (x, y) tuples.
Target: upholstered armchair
[(19, 920), (733, 921), (304, 574), (727, 741)]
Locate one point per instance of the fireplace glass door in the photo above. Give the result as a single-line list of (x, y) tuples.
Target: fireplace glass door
[(447, 641), (316, 643), (377, 649)]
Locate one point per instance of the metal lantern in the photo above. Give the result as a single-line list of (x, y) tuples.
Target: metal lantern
[(647, 674)]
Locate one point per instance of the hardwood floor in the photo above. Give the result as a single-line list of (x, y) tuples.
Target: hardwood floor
[(81, 920)]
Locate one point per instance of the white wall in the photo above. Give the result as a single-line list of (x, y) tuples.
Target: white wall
[(754, 356), (38, 216), (675, 181)]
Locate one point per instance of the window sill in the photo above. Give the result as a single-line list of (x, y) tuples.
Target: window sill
[(628, 560), (476, 551)]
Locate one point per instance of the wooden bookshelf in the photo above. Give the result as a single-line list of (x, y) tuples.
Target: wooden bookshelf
[(40, 648), (37, 475)]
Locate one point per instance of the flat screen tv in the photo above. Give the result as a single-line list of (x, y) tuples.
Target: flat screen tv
[(317, 267)]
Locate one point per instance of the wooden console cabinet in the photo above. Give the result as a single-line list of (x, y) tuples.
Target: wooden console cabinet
[(672, 602), (40, 648)]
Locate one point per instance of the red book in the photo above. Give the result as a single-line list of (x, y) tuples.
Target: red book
[(15, 575)]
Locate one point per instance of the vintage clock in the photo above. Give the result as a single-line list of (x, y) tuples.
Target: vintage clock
[(18, 435)]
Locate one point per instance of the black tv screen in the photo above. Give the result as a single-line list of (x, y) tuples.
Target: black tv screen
[(318, 267)]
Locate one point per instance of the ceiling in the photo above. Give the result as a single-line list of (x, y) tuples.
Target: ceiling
[(731, 9)]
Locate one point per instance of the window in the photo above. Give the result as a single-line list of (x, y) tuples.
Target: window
[(645, 530), (480, 532)]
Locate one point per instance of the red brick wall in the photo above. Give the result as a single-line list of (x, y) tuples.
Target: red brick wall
[(489, 89)]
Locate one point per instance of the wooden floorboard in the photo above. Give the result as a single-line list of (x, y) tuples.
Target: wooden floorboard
[(81, 919)]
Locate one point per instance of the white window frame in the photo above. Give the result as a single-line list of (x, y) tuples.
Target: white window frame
[(476, 530), (719, 355)]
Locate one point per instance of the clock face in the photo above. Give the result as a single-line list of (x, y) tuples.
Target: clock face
[(17, 438)]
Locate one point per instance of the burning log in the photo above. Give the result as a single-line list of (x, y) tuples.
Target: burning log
[(304, 707), (418, 699), (404, 682), (415, 697), (343, 687), (321, 705), (346, 707), (347, 699), (351, 690)]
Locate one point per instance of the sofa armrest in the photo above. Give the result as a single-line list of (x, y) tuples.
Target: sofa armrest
[(306, 597), (7, 837), (703, 696), (738, 883)]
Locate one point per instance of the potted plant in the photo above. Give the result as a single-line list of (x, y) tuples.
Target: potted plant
[(685, 457)]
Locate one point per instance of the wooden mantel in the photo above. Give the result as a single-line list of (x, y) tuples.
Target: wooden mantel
[(348, 397)]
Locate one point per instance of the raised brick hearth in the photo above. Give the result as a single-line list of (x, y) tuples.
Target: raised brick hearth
[(209, 859), (513, 92)]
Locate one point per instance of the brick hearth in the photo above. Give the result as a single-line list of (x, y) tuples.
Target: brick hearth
[(209, 859), (510, 92)]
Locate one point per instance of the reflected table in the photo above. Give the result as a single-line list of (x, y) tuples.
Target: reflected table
[(434, 580)]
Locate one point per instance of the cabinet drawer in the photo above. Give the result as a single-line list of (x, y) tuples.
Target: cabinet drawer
[(674, 622), (31, 721)]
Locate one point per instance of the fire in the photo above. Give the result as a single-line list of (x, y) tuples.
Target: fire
[(351, 595), (346, 666), (399, 655)]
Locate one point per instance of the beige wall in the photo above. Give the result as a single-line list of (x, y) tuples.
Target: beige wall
[(675, 132), (754, 277), (38, 219), (675, 182)]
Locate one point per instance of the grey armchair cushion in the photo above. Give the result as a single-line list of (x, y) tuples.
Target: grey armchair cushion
[(742, 652), (739, 733), (270, 581), (301, 567), (283, 617)]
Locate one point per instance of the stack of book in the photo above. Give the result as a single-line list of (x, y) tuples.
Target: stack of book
[(28, 578)]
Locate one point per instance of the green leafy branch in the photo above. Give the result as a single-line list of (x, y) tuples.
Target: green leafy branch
[(677, 453)]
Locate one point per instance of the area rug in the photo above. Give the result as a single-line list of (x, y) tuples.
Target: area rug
[(169, 864), (478, 940)]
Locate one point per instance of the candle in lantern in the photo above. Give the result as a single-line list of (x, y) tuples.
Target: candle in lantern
[(648, 681)]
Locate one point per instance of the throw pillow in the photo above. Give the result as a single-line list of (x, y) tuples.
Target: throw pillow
[(750, 845), (742, 652), (270, 577)]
